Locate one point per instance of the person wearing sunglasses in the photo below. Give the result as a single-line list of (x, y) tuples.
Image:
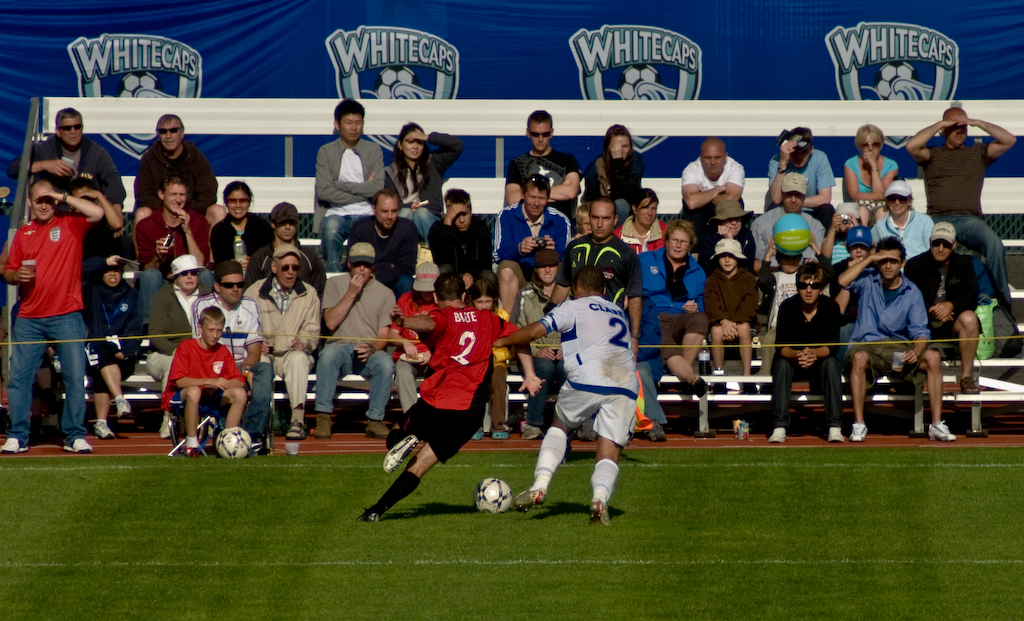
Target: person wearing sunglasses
[(911, 227), (950, 290), (172, 153), (561, 169), (171, 320), (867, 174), (891, 335), (807, 340), (954, 173), (243, 335), (69, 153), (290, 308)]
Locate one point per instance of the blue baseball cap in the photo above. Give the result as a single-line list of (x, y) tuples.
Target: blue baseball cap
[(858, 235)]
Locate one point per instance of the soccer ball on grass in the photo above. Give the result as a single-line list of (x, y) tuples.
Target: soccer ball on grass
[(493, 496), (234, 443)]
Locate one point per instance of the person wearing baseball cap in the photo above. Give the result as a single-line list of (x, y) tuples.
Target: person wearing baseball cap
[(793, 188), (858, 244), (284, 221), (411, 356), (728, 223), (798, 155), (950, 290), (730, 302), (290, 317), (357, 313), (909, 226)]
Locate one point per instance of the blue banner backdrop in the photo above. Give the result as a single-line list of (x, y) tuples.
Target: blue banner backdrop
[(518, 50)]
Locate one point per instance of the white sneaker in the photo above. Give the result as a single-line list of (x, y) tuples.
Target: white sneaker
[(835, 434), (123, 407), (78, 446), (778, 436), (102, 431), (13, 446), (940, 432), (859, 432), (399, 452), (165, 428)]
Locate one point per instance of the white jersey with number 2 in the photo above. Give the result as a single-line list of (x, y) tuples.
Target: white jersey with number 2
[(596, 346)]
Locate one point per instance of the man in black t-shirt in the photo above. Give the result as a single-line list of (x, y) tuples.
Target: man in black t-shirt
[(616, 258), (561, 169)]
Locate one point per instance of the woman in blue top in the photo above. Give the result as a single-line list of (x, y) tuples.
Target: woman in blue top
[(867, 174)]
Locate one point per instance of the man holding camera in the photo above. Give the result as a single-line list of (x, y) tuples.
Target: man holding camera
[(797, 154), (522, 230)]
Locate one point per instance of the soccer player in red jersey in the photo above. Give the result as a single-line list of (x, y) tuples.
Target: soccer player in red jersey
[(454, 394)]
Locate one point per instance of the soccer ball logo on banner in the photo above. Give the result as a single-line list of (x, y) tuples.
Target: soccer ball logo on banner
[(135, 66), (393, 63), (893, 62), (645, 64)]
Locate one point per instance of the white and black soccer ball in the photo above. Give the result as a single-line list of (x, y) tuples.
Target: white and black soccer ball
[(493, 496), (890, 73), (140, 84), (234, 443), (635, 75), (392, 80)]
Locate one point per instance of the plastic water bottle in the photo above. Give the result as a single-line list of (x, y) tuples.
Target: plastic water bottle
[(704, 359), (239, 247)]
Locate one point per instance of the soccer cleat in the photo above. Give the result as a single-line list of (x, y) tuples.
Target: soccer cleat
[(530, 432), (835, 434), (369, 516), (78, 446), (193, 451), (599, 513), (12, 445), (656, 433), (165, 428), (102, 431), (778, 436), (586, 432), (528, 499), (859, 432), (399, 452), (296, 432), (123, 407), (940, 432)]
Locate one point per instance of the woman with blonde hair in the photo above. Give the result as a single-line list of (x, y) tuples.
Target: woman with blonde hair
[(867, 174)]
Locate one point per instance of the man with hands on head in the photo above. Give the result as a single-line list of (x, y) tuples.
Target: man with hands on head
[(954, 174), (892, 313), (51, 309), (461, 242)]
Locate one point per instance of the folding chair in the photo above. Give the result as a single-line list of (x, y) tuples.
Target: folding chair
[(211, 422)]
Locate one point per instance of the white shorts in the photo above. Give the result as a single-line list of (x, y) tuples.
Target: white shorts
[(616, 414)]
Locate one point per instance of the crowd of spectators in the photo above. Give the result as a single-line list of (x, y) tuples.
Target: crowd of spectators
[(701, 280)]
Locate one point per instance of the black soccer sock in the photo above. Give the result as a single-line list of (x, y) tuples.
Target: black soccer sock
[(404, 485)]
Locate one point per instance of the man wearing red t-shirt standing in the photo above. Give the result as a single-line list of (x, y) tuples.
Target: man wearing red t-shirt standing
[(453, 397), (46, 262)]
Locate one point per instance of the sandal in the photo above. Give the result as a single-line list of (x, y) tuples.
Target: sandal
[(500, 432), (968, 386)]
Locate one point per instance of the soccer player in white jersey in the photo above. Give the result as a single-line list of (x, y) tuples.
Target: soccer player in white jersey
[(600, 377)]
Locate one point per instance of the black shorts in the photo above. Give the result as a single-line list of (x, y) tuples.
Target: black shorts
[(445, 430), (106, 358)]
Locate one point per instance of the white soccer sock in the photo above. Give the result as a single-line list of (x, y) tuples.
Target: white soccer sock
[(552, 452), (606, 472), (192, 442)]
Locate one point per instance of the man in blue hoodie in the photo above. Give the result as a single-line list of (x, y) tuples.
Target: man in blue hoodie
[(522, 230)]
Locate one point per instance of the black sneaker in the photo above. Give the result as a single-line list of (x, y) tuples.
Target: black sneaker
[(369, 516), (698, 387)]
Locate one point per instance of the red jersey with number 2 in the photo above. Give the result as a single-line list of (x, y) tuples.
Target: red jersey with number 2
[(460, 367)]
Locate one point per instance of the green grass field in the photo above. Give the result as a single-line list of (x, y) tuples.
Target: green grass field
[(697, 534)]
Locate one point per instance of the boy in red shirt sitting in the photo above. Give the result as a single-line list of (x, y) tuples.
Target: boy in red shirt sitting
[(203, 374)]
